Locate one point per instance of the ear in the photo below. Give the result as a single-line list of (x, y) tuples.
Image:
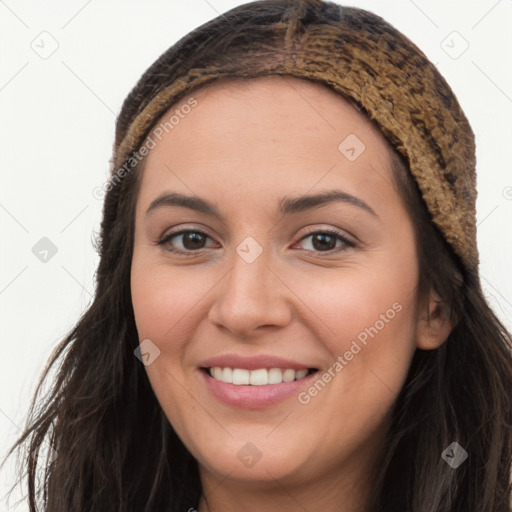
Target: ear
[(434, 324)]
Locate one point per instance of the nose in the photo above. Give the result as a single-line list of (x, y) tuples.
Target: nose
[(251, 297)]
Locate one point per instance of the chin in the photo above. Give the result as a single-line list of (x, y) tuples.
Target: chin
[(281, 466)]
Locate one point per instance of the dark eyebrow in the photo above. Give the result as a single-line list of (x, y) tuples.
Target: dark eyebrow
[(299, 204), (288, 205), (191, 202)]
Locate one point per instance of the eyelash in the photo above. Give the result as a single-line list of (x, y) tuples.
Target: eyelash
[(167, 238)]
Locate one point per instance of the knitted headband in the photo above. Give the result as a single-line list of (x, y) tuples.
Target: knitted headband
[(354, 52)]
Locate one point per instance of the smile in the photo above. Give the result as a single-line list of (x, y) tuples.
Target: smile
[(256, 388), (257, 377)]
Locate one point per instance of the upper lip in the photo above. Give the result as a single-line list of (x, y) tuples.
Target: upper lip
[(252, 362)]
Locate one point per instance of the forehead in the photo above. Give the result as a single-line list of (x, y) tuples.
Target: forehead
[(271, 131), (276, 103)]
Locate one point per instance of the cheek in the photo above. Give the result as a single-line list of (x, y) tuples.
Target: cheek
[(165, 304), (367, 321), (165, 301), (355, 304), (377, 312)]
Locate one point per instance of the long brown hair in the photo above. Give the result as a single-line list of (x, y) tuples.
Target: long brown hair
[(117, 452)]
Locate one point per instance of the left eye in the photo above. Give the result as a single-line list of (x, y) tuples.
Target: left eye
[(325, 241), (193, 241)]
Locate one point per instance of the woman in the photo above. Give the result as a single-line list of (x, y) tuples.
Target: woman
[(288, 313)]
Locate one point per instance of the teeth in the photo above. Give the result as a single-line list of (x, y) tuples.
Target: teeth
[(288, 375), (240, 376), (259, 377), (275, 376)]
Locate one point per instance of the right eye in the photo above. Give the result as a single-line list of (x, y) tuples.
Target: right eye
[(191, 242)]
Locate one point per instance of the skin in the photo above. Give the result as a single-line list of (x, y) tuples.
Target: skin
[(243, 147)]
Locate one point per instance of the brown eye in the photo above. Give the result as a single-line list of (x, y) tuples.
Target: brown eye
[(189, 242), (323, 241), (326, 241), (193, 240)]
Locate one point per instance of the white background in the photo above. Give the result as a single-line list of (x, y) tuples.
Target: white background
[(57, 127)]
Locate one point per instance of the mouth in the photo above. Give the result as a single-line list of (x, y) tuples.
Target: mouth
[(256, 377), (255, 381)]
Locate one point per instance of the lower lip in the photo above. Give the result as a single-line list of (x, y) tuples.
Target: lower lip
[(254, 397)]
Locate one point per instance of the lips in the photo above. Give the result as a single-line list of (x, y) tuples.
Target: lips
[(254, 382)]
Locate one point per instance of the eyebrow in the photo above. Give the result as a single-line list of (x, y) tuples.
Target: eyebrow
[(299, 204), (287, 205)]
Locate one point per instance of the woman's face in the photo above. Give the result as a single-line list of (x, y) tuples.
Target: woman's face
[(299, 255)]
